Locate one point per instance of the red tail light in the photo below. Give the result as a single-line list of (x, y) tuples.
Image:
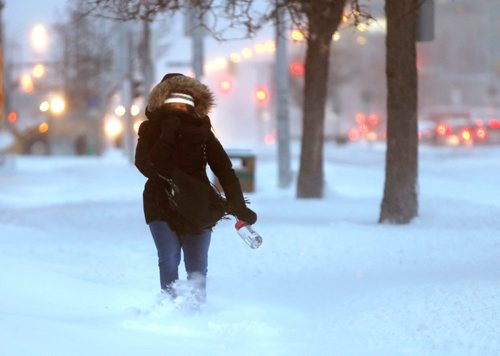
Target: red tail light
[(481, 133), (297, 68), (443, 130), (360, 118), (494, 123), (373, 119), (353, 134)]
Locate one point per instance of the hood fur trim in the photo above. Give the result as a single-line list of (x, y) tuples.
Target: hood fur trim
[(204, 99)]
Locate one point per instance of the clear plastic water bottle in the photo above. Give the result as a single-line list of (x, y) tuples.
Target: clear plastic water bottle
[(248, 234)]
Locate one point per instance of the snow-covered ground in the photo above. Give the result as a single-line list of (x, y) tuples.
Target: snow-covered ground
[(6, 140), (78, 269)]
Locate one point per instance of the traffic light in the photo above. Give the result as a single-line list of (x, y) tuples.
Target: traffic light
[(297, 36), (297, 68), (261, 95), (12, 117)]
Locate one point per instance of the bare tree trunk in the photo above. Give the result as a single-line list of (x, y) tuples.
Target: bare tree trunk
[(310, 183), (322, 24), (400, 204)]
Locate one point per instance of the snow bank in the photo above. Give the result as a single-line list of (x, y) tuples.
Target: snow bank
[(79, 272)]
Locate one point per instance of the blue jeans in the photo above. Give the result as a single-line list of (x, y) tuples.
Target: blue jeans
[(169, 246)]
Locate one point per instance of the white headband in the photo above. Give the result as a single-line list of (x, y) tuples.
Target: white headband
[(180, 98)]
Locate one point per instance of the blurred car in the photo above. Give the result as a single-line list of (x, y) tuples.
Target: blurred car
[(488, 124), (455, 132), (458, 127), (31, 141), (426, 129), (493, 129), (36, 142), (367, 127)]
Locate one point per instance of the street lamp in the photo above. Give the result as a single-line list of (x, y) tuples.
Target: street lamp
[(27, 83), (361, 40), (134, 110), (38, 71), (120, 111), (57, 105), (235, 57), (247, 53), (39, 37), (113, 127)]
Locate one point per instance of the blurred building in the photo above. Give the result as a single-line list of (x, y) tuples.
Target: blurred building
[(461, 66)]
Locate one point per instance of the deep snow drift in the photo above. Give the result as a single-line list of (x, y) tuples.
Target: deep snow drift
[(78, 270)]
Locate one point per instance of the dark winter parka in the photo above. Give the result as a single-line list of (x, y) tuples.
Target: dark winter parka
[(190, 147)]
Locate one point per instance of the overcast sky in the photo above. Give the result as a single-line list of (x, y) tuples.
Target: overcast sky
[(21, 15)]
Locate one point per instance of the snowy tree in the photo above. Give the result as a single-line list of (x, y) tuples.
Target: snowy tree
[(318, 19), (86, 58), (400, 204), (321, 19)]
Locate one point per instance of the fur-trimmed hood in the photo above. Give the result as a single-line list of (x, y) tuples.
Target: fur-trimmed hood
[(204, 99)]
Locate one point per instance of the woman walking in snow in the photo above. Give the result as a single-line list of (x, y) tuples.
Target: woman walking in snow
[(178, 135)]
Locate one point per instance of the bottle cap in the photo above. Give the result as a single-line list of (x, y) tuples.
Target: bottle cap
[(239, 224)]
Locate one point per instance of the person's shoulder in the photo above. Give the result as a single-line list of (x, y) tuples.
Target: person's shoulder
[(145, 128), (213, 141)]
